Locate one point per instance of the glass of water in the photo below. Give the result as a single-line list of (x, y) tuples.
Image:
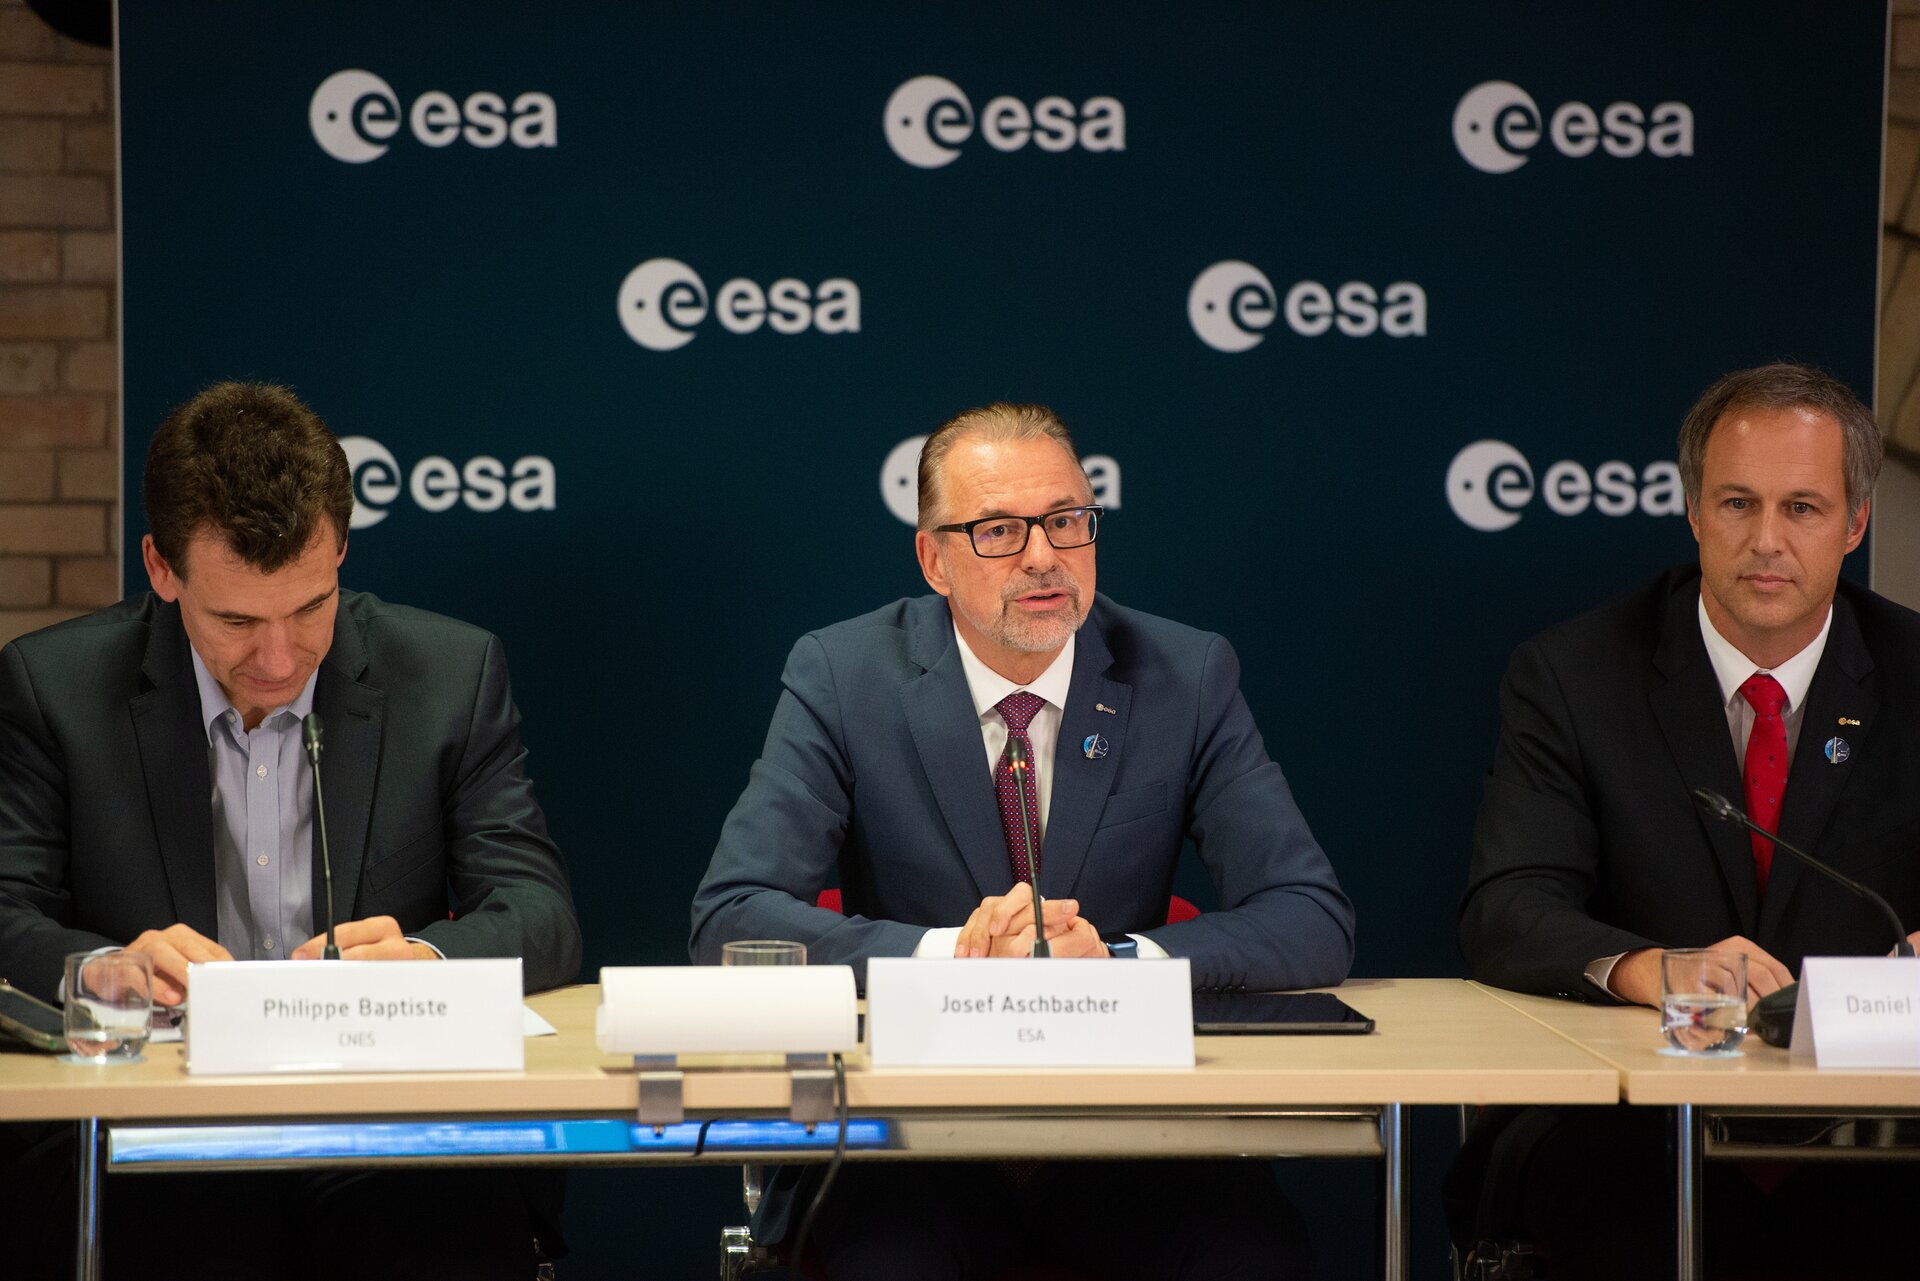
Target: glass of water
[(109, 1000), (1703, 1001), (763, 952)]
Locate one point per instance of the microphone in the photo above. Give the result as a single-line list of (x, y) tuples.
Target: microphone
[(311, 731), (1021, 766), (1773, 1013)]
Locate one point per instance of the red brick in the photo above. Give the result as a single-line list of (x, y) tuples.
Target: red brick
[(90, 257), (91, 581), (28, 367), (55, 200), (28, 256), (89, 147), (37, 311), (48, 89), (53, 528), (26, 582), (26, 476), (93, 366), (43, 422), (18, 622), (24, 35), (30, 146), (92, 473)]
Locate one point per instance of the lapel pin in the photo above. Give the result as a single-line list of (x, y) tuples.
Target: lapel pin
[(1837, 750), (1095, 747), (1848, 720), (1102, 707)]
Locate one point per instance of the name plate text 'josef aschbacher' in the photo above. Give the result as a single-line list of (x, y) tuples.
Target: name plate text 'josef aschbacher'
[(1027, 1013), (354, 1016)]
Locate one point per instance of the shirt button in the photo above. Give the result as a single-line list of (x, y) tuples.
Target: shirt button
[(259, 771), (267, 943), (261, 860)]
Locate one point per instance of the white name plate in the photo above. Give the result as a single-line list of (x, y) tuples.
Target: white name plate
[(1026, 1013), (718, 1009), (354, 1016), (1859, 1011)]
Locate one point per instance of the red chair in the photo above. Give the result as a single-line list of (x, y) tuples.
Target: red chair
[(1178, 909)]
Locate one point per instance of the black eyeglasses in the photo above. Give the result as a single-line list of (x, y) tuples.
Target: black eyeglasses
[(1007, 535)]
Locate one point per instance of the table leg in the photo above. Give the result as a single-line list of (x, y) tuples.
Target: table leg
[(86, 1256), (1686, 1147), (1393, 1193)]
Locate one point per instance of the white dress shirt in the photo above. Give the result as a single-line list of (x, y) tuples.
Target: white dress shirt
[(1732, 668), (988, 688)]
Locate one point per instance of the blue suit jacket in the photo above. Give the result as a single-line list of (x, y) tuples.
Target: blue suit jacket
[(874, 762)]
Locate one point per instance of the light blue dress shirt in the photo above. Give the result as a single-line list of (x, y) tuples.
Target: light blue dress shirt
[(262, 823)]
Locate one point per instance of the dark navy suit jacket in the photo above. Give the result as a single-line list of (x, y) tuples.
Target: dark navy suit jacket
[(106, 823), (874, 764)]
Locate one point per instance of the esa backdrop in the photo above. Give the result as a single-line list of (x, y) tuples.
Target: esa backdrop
[(1375, 322)]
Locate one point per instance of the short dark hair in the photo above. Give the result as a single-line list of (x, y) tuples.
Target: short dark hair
[(1786, 386), (1000, 421), (251, 463)]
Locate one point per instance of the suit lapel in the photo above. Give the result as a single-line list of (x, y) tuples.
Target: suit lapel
[(353, 716), (1081, 783), (1839, 689), (173, 758), (1693, 718), (946, 733)]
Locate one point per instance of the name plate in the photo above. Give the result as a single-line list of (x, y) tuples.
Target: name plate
[(986, 1012), (1859, 1012), (354, 1016)]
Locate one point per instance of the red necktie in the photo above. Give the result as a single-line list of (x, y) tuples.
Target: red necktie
[(1766, 772), (1017, 710)]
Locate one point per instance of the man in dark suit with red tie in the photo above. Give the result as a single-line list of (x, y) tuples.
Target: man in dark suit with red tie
[(1757, 675)]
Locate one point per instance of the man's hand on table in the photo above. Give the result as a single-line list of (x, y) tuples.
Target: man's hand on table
[(172, 950), (1003, 926), (377, 938), (1636, 977)]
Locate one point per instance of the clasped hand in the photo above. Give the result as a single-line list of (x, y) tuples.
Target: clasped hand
[(1003, 926), (377, 938)]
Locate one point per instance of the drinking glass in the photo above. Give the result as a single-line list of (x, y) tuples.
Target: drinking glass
[(1703, 1001), (109, 999), (763, 952)]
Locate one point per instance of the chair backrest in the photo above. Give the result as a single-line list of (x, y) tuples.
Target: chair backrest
[(1178, 909)]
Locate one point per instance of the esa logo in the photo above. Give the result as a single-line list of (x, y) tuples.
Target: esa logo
[(663, 301), (1232, 303), (484, 484), (900, 479), (929, 117), (1497, 124), (1490, 482), (356, 114)]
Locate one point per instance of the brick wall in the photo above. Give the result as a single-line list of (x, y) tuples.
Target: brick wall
[(59, 357)]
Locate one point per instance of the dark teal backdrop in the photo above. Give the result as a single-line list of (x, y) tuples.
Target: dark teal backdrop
[(444, 254)]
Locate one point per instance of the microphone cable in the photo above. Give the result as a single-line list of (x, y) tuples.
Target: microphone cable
[(833, 1168)]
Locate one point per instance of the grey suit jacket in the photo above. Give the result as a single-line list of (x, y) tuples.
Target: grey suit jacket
[(874, 763), (106, 824), (1589, 843)]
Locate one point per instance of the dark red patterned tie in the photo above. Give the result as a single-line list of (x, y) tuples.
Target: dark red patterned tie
[(1017, 710), (1766, 765)]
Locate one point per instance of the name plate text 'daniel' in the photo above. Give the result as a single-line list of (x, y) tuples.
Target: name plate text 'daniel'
[(1859, 1011)]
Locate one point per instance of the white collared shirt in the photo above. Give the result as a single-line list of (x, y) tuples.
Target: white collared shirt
[(987, 687), (1731, 669)]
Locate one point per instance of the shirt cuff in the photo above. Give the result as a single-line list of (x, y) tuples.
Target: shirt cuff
[(1598, 972), (423, 943), (938, 943), (1149, 950)]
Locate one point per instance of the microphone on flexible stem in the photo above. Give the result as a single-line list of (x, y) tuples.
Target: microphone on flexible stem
[(311, 731), (1774, 1012), (1021, 766)]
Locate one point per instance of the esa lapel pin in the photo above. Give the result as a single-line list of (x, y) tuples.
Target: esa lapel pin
[(1848, 720), (1102, 707), (1094, 746), (1837, 751)]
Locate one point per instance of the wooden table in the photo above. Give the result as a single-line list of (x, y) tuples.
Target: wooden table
[(1706, 1094), (1440, 1041)]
